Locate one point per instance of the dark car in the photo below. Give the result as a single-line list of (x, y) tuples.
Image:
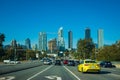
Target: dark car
[(106, 64), (71, 63), (57, 62), (77, 62)]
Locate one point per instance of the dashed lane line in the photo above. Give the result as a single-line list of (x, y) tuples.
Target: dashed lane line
[(39, 72), (72, 73)]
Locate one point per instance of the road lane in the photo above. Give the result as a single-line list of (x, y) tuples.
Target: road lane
[(55, 73), (60, 73), (39, 73), (105, 74), (24, 74), (72, 73)]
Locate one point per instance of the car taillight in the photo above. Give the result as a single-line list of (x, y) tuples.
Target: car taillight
[(86, 64)]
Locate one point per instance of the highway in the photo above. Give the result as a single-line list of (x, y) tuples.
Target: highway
[(52, 72)]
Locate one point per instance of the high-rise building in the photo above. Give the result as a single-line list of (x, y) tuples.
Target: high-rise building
[(34, 47), (42, 41), (52, 45), (87, 33), (28, 43), (70, 40), (61, 43), (100, 38), (14, 43)]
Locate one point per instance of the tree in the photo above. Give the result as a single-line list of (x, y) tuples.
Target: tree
[(85, 48), (2, 39), (30, 54), (66, 53), (110, 53)]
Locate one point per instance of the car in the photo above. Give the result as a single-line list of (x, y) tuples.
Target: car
[(89, 65), (15, 62), (57, 62), (11, 62), (106, 64), (47, 62), (71, 63), (77, 62), (65, 62), (6, 61)]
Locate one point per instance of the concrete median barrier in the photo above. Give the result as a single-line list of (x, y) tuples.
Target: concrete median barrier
[(8, 68)]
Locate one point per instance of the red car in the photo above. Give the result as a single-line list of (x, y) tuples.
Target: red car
[(65, 62)]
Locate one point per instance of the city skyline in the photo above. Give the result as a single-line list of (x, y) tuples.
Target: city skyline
[(25, 19)]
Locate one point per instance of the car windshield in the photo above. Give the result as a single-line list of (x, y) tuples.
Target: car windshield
[(90, 62)]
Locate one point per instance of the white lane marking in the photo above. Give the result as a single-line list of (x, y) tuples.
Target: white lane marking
[(39, 72), (7, 78), (53, 77), (72, 73)]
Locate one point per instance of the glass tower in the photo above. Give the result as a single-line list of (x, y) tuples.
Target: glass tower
[(70, 40), (61, 43), (42, 41), (100, 38), (27, 43), (87, 33)]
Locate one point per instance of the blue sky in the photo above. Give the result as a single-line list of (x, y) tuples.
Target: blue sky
[(21, 19)]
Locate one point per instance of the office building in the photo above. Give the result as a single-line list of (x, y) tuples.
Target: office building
[(42, 41), (70, 40), (100, 38), (61, 43), (28, 43), (34, 47), (87, 33), (52, 45), (14, 43)]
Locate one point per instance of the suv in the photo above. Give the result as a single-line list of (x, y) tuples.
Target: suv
[(71, 63), (57, 62), (106, 64)]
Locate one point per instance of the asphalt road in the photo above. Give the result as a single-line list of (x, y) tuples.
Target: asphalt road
[(52, 72)]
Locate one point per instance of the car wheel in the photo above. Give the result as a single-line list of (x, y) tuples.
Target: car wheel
[(78, 69), (82, 70), (98, 72)]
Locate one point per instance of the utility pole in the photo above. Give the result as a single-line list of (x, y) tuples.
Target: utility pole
[(15, 55)]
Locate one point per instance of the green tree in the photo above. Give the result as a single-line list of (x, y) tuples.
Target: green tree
[(85, 48), (30, 54), (66, 53), (110, 53), (2, 39)]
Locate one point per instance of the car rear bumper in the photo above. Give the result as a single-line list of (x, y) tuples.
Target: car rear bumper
[(93, 70)]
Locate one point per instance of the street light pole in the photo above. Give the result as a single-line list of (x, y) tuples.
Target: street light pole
[(15, 55)]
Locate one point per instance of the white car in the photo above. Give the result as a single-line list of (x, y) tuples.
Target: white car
[(47, 62), (14, 62)]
